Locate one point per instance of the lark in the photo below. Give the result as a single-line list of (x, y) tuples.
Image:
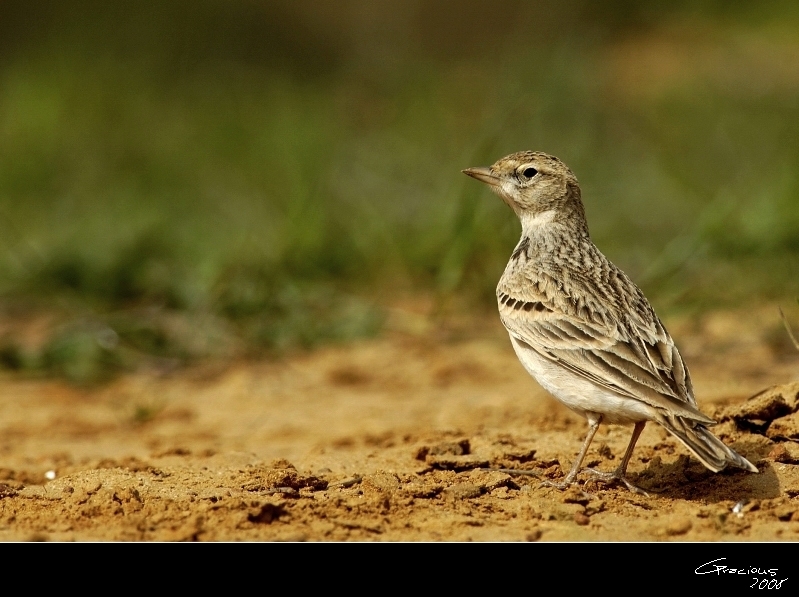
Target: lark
[(582, 328)]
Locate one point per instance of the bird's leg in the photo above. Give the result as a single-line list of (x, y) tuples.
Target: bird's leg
[(593, 424), (619, 473), (639, 427)]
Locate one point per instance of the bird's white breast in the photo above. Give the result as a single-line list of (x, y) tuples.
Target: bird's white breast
[(578, 393)]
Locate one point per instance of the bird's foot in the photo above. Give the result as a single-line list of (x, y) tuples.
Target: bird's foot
[(562, 485), (566, 484), (614, 477)]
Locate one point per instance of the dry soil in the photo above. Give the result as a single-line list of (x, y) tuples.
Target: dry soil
[(396, 439)]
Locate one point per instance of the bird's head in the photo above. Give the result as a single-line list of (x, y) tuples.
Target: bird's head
[(533, 184)]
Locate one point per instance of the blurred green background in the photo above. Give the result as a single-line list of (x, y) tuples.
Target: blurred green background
[(183, 180)]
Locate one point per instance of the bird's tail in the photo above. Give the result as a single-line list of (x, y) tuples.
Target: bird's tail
[(709, 449)]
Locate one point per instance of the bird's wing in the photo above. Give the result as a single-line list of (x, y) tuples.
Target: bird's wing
[(629, 353)]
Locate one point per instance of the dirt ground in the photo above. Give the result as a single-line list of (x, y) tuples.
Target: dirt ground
[(388, 440)]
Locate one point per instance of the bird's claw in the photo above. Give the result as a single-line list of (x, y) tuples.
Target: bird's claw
[(614, 477), (594, 474), (566, 484)]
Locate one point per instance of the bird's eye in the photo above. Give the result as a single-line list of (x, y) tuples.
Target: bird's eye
[(529, 172)]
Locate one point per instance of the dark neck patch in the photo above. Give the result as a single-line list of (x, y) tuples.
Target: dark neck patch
[(521, 249)]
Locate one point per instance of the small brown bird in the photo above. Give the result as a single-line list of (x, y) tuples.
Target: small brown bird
[(581, 327)]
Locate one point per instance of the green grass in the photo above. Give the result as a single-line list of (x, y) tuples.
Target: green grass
[(215, 181)]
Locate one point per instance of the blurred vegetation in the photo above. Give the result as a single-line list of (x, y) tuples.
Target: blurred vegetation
[(181, 180)]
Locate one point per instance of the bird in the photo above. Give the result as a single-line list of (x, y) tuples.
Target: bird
[(583, 329)]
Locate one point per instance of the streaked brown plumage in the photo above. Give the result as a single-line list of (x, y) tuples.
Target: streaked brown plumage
[(581, 327)]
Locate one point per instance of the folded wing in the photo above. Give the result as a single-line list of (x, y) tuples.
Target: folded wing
[(624, 354)]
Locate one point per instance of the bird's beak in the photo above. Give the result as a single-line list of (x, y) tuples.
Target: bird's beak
[(483, 175)]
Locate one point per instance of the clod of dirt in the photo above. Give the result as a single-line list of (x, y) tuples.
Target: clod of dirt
[(450, 456), (458, 448), (772, 403), (381, 482), (423, 490), (347, 482), (785, 453), (462, 491), (6, 491), (790, 483), (785, 512), (520, 455), (491, 480), (785, 428), (272, 479), (466, 462), (281, 463)]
